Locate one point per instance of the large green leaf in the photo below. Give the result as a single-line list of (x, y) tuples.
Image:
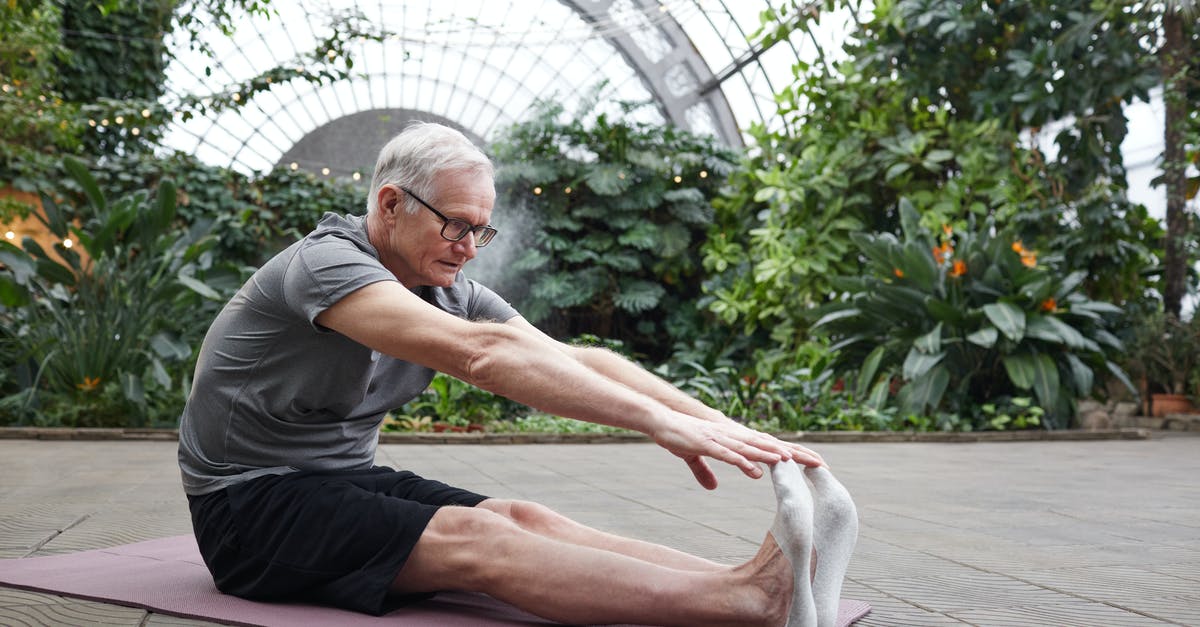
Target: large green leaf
[(925, 391), (1008, 318), (80, 173), (638, 296), (1020, 368), (1081, 375), (866, 374), (917, 363), (643, 236), (931, 342), (607, 179), (943, 311), (1046, 382), (985, 337), (1052, 329)]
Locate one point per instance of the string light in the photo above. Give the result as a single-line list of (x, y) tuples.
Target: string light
[(621, 175), (356, 176), (568, 190), (119, 120), (67, 243), (325, 171), (237, 97), (703, 174), (145, 113), (678, 179), (294, 166), (135, 132), (537, 191), (92, 123), (10, 235), (104, 122)]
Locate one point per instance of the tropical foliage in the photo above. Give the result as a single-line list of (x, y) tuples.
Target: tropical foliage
[(96, 326), (612, 214), (969, 317)]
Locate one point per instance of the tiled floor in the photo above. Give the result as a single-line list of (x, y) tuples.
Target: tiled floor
[(1091, 533)]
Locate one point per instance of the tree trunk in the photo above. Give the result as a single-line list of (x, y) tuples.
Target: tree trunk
[(1174, 62)]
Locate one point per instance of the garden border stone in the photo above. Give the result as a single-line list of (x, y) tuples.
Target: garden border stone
[(45, 433)]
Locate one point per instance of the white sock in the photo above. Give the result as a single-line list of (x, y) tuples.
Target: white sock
[(793, 532), (835, 531)]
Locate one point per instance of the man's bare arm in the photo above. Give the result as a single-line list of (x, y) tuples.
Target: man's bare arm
[(627, 373), (513, 363)]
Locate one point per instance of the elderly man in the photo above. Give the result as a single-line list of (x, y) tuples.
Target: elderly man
[(277, 442)]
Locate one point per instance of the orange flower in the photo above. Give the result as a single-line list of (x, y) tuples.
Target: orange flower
[(1018, 247), (898, 272), (1029, 259), (959, 268), (89, 384), (948, 230), (1049, 305), (942, 252)]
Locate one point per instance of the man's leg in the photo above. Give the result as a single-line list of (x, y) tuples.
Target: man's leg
[(835, 529), (478, 550), (793, 531), (544, 521)]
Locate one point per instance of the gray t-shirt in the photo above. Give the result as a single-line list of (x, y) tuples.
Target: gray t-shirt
[(274, 392)]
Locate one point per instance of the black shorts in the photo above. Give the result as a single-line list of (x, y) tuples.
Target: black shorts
[(334, 538)]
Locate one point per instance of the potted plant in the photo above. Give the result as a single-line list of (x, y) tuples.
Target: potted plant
[(1164, 353)]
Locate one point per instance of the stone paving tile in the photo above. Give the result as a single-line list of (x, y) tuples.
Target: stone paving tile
[(1077, 614), (966, 591), (1183, 609), (1127, 586), (61, 612), (114, 529), (888, 611)]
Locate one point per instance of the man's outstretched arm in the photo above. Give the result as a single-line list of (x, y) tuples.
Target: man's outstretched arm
[(513, 363), (621, 370)]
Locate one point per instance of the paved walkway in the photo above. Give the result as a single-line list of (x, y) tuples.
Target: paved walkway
[(1017, 533)]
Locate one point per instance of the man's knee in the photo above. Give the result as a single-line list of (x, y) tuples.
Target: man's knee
[(458, 550), (531, 516)]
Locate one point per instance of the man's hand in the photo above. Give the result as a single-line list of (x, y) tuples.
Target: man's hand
[(692, 440)]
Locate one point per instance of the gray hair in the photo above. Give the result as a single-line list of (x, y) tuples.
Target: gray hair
[(421, 152)]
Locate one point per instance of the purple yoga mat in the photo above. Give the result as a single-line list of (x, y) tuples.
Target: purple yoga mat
[(168, 576)]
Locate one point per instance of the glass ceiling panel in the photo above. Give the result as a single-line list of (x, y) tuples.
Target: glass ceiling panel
[(483, 63)]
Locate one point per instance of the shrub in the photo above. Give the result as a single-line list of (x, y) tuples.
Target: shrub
[(966, 318), (105, 338)]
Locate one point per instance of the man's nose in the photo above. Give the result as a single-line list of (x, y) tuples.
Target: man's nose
[(467, 246)]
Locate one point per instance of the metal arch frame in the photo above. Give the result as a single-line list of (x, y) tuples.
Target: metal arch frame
[(653, 75)]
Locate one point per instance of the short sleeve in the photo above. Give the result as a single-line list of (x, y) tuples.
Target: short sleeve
[(485, 304), (323, 272)]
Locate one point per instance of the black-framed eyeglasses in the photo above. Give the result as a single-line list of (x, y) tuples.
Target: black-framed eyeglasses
[(454, 229)]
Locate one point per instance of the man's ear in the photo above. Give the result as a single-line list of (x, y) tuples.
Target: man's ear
[(388, 202)]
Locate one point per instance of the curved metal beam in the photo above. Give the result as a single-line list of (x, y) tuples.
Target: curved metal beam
[(682, 58)]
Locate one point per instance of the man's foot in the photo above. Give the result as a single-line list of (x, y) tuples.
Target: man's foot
[(793, 532), (835, 531)]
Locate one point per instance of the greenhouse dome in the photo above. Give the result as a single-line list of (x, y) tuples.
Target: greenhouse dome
[(481, 66)]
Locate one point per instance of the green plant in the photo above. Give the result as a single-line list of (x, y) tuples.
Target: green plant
[(1164, 351), (105, 335), (968, 317), (453, 402), (1005, 413), (613, 213)]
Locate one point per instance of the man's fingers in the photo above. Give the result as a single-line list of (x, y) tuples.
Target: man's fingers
[(703, 473)]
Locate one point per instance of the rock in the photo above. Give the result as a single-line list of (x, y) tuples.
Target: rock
[(1094, 420)]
